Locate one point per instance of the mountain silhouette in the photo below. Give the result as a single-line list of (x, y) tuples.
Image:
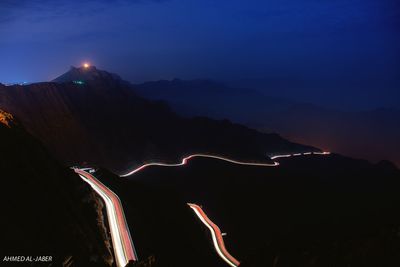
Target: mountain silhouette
[(101, 120), (90, 73), (310, 211), (371, 134)]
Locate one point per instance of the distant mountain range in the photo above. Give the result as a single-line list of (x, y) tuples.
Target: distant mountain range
[(91, 116), (310, 211), (372, 135)]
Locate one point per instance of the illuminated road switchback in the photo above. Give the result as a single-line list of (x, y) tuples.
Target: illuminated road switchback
[(186, 159), (124, 251), (216, 234)]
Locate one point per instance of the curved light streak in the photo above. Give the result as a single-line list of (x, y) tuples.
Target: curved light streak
[(322, 153), (186, 159), (215, 231), (124, 250), (299, 154), (216, 234)]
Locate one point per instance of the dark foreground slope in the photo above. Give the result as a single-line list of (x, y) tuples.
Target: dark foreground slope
[(310, 211), (162, 226), (104, 122), (46, 209)]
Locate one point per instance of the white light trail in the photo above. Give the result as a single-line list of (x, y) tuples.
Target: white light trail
[(186, 159), (322, 153), (299, 154), (124, 250)]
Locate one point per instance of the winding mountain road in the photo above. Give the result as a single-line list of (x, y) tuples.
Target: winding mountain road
[(216, 234), (186, 159), (124, 250)]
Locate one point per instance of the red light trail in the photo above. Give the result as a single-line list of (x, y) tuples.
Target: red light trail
[(216, 234), (124, 250)]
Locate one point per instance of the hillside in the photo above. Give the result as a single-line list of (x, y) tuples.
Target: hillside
[(47, 209), (100, 120)]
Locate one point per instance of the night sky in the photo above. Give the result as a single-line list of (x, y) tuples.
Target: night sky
[(337, 53)]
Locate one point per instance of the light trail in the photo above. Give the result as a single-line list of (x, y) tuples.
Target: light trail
[(124, 250), (216, 234), (186, 159), (322, 153), (282, 156), (299, 154)]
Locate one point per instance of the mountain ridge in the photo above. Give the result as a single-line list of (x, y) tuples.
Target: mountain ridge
[(103, 121), (364, 134)]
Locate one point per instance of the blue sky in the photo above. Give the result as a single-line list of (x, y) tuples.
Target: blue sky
[(338, 53)]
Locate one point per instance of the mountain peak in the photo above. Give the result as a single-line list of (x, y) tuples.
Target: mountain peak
[(85, 73)]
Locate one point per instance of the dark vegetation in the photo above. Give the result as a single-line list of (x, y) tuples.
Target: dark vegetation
[(46, 209), (162, 225), (310, 211)]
